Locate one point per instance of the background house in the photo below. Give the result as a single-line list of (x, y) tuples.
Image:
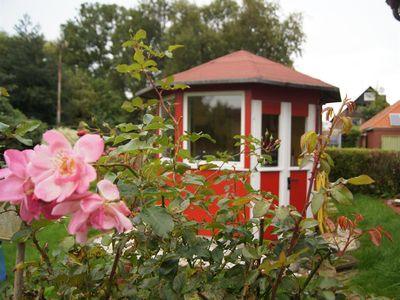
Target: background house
[(383, 130), (367, 105)]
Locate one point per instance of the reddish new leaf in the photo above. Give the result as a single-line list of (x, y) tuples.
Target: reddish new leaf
[(375, 236), (385, 233)]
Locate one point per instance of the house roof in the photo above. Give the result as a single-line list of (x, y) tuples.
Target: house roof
[(381, 119), (360, 100), (245, 67)]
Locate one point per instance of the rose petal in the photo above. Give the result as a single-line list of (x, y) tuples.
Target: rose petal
[(108, 190), (78, 222), (90, 204), (5, 173), (11, 189), (90, 146), (40, 160), (90, 175), (56, 141), (65, 208), (16, 162), (48, 190)]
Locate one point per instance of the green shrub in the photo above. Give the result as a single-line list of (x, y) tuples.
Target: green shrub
[(352, 138), (383, 166)]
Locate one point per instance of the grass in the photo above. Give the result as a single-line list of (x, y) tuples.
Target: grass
[(378, 268), (52, 235)]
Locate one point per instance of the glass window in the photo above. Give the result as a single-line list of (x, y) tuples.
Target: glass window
[(298, 129), (270, 124), (220, 117)]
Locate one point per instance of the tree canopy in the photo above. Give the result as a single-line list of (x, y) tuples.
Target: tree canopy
[(91, 87)]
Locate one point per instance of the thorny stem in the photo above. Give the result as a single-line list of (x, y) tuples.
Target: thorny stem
[(296, 229), (133, 171), (42, 252), (114, 268), (313, 271)]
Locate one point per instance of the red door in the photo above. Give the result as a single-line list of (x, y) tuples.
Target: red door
[(297, 184)]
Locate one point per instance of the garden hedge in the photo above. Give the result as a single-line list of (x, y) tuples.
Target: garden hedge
[(383, 166)]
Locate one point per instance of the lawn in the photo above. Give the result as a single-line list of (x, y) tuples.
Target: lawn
[(52, 235), (379, 267)]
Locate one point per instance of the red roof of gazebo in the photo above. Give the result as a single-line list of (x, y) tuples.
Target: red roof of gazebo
[(245, 67)]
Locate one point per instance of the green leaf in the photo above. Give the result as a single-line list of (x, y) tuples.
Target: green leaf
[(27, 126), (174, 47), (169, 266), (194, 179), (67, 243), (309, 141), (250, 252), (137, 101), (123, 68), (154, 126), (159, 220), (252, 276), (360, 180), (308, 223), (147, 118), (342, 194), (179, 282), (128, 44), (3, 127), (21, 235), (140, 35), (241, 201), (261, 208), (184, 153), (328, 295), (317, 201), (3, 92), (106, 240), (27, 142), (36, 225), (207, 166), (127, 105), (139, 57)]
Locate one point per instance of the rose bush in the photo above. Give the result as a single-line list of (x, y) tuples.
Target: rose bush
[(128, 211)]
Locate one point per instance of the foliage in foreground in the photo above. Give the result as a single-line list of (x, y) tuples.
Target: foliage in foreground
[(134, 239)]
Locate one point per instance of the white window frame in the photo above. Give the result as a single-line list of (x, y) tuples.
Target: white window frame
[(234, 165), (279, 167)]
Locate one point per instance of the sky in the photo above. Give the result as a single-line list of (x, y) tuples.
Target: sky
[(351, 44)]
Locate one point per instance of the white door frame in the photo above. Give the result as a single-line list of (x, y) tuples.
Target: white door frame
[(285, 125)]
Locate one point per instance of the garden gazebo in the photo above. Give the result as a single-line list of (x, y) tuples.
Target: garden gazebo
[(242, 94)]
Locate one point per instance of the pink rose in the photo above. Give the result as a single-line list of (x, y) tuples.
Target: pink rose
[(58, 170)]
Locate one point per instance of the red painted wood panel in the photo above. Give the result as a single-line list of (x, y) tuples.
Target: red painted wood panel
[(270, 182), (196, 213), (271, 107), (298, 189), (299, 109)]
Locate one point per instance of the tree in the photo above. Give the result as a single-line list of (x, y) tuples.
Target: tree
[(223, 26), (370, 110), (28, 72)]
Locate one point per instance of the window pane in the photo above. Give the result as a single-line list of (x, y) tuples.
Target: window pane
[(298, 129), (270, 123), (220, 117)]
